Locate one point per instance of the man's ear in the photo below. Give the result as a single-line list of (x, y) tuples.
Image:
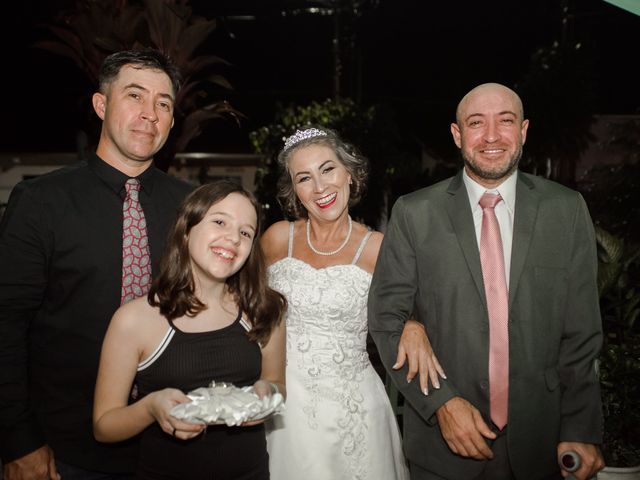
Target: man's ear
[(523, 130), (99, 101), (455, 132)]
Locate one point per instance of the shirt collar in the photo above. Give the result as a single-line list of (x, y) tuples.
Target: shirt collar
[(506, 189), (115, 179)]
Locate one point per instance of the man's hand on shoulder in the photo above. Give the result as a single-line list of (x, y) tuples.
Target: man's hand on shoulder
[(37, 465), (464, 430)]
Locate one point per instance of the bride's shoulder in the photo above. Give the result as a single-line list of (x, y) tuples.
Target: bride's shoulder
[(369, 254), (275, 241)]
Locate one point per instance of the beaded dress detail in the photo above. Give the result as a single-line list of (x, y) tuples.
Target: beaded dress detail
[(338, 423)]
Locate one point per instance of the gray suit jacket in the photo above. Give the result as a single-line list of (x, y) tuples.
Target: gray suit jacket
[(429, 264)]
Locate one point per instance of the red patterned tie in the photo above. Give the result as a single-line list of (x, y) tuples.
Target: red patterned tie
[(136, 261), (495, 287)]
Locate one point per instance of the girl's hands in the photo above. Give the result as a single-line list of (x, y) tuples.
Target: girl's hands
[(161, 403)]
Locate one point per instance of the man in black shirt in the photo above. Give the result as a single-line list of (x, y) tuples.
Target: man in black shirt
[(61, 274)]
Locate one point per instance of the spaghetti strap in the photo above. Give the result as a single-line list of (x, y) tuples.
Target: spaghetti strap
[(290, 247), (361, 247), (164, 343)]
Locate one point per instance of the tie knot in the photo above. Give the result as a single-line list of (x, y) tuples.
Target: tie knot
[(132, 184), (490, 200)]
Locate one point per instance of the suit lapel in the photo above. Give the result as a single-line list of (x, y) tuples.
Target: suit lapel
[(459, 212), (526, 212)]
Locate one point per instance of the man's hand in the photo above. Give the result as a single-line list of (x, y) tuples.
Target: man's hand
[(591, 461), (464, 430), (37, 465), (415, 348)]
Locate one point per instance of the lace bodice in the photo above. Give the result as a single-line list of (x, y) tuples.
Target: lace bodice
[(327, 315)]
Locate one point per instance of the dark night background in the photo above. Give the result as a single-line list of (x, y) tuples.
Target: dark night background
[(417, 56)]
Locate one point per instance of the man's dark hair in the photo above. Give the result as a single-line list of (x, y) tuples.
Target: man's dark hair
[(145, 59)]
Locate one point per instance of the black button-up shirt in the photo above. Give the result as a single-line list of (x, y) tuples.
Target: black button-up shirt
[(60, 283)]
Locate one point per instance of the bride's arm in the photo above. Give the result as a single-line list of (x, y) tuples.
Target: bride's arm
[(273, 363), (414, 347)]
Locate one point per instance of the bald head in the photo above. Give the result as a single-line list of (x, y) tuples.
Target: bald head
[(488, 91), (490, 131)]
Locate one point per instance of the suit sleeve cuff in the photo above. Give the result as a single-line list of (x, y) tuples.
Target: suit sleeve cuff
[(20, 440)]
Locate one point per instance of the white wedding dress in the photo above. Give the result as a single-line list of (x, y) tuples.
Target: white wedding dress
[(338, 423)]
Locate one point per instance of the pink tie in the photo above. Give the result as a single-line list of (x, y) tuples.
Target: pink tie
[(495, 287), (136, 261)]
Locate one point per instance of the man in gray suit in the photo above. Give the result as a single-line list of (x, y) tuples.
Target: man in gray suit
[(430, 264)]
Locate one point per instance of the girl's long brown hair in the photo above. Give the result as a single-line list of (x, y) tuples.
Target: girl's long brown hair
[(173, 290)]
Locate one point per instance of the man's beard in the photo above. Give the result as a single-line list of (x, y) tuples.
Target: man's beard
[(494, 174)]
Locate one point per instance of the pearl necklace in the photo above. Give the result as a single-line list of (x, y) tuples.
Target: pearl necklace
[(346, 240)]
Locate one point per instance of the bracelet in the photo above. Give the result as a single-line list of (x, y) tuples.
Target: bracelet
[(274, 388)]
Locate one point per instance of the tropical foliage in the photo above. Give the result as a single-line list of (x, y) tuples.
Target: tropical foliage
[(97, 28), (613, 195), (618, 283)]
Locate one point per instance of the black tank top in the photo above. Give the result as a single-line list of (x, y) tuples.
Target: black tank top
[(187, 361)]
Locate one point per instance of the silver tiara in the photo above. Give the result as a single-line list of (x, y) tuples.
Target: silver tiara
[(301, 135)]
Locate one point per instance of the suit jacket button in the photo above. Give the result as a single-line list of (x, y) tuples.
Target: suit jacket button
[(484, 385)]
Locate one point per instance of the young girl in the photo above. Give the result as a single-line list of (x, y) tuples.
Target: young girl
[(209, 315)]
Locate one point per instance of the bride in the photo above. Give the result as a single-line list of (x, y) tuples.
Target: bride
[(338, 422)]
